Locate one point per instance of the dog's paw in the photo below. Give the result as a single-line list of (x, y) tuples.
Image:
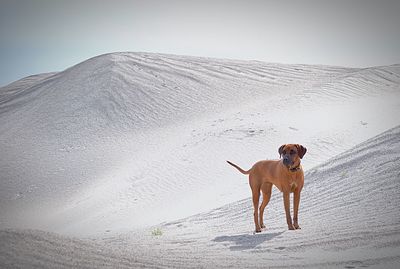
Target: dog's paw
[(257, 231), (263, 226), (297, 227), (291, 227)]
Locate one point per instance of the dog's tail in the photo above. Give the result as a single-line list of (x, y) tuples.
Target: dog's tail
[(240, 169)]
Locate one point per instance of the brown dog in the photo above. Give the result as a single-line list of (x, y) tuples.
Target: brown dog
[(286, 174)]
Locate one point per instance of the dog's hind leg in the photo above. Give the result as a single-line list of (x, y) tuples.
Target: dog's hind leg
[(255, 189), (266, 191), (256, 197)]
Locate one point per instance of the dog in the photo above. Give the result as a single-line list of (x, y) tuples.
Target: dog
[(286, 174)]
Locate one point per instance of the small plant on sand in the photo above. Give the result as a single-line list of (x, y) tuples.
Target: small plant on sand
[(156, 232)]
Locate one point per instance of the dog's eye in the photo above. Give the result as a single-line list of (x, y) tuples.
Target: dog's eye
[(284, 152)]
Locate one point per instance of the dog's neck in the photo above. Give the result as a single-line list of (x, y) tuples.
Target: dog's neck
[(295, 169)]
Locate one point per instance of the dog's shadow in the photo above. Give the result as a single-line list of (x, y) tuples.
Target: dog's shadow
[(246, 241)]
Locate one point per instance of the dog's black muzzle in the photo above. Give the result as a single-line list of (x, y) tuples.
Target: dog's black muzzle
[(287, 161)]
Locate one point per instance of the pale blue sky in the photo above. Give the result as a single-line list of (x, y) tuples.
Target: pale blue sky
[(50, 35)]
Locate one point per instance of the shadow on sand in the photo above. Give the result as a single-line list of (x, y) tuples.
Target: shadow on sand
[(246, 241)]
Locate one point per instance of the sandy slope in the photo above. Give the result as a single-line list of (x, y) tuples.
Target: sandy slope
[(349, 217), (38, 249), (127, 140), (110, 147)]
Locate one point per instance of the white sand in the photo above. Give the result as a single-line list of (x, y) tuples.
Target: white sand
[(107, 149)]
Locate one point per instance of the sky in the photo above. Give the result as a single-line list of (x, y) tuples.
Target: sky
[(40, 36)]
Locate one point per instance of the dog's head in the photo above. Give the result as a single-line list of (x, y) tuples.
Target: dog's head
[(291, 153)]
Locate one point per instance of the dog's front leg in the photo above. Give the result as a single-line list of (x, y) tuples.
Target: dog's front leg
[(296, 202), (286, 202)]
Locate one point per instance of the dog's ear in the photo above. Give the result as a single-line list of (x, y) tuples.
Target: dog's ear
[(301, 150), (280, 150)]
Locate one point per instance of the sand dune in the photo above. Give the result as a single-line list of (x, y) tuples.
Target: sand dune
[(124, 141), (349, 218)]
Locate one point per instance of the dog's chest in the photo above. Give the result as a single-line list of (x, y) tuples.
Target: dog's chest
[(293, 186), (293, 181)]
